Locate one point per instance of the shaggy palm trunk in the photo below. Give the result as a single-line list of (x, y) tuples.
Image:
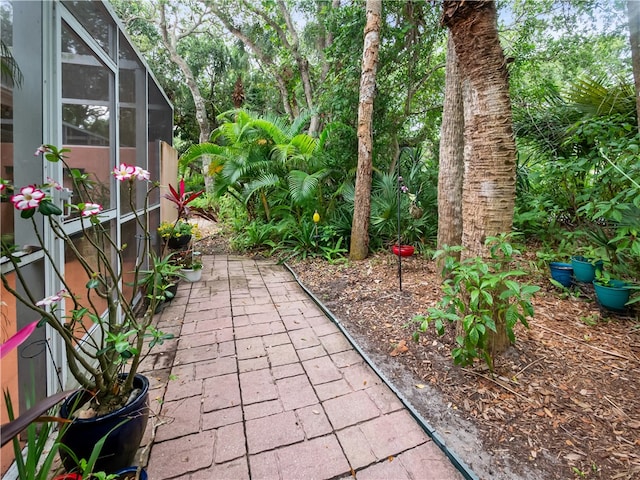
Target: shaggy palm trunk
[(489, 152), (359, 248), (451, 168)]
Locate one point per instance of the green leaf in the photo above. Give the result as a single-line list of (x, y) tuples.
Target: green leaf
[(474, 336), (27, 213), (93, 283), (47, 208), (490, 324)]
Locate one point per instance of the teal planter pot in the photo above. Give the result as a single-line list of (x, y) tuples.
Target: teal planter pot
[(584, 270), (614, 296), (561, 273)]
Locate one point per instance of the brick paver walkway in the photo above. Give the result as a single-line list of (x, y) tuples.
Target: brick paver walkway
[(261, 384)]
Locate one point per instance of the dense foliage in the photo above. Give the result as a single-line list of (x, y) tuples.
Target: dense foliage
[(571, 89)]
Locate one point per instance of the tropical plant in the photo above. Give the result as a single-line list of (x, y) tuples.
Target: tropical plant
[(268, 165), (104, 364), (37, 461), (181, 199), (178, 229), (479, 296)]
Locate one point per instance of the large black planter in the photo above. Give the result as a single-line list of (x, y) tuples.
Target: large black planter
[(119, 450)]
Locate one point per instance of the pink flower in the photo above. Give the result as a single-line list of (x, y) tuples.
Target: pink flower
[(28, 198), (54, 184), (2, 186), (45, 302), (124, 172), (142, 174), (89, 209), (41, 149)]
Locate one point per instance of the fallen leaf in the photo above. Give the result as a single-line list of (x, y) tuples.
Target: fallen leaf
[(401, 347), (573, 457), (419, 385)]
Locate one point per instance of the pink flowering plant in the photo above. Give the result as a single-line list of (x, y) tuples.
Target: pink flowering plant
[(104, 363)]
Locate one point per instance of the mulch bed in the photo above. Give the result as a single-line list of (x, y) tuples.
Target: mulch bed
[(562, 403)]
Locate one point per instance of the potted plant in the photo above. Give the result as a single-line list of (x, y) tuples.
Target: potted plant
[(584, 269), (38, 461), (177, 234), (612, 294), (180, 232), (105, 338), (562, 273), (161, 281), (190, 264)]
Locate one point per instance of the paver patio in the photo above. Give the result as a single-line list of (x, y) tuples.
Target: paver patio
[(261, 384)]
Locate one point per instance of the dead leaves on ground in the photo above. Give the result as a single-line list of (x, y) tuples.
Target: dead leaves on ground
[(564, 400)]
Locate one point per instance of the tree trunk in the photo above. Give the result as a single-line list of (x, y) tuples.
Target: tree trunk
[(489, 152), (359, 248), (264, 59), (170, 42), (490, 167), (451, 168), (633, 13), (303, 67)]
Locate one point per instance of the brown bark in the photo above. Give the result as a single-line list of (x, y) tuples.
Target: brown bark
[(489, 146), (359, 248), (633, 13), (451, 164), (170, 41), (264, 59), (489, 153)]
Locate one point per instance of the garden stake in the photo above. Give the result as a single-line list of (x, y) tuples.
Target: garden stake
[(399, 237), (316, 219)]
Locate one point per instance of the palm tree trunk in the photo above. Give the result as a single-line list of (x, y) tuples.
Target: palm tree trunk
[(451, 168), (489, 152)]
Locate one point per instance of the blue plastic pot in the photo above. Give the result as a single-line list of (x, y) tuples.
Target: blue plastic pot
[(132, 471), (561, 273), (584, 270), (613, 296)]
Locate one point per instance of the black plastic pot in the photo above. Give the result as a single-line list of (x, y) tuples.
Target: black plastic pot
[(125, 428), (177, 243)]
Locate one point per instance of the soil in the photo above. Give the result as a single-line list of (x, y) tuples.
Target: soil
[(562, 403)]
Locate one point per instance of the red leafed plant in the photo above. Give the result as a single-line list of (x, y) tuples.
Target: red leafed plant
[(182, 199)]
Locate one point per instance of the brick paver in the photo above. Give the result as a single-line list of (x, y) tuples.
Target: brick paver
[(262, 385)]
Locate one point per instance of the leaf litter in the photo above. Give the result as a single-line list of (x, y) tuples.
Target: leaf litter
[(562, 403)]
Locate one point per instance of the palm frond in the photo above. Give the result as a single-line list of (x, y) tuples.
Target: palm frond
[(303, 186), (264, 181), (9, 68), (595, 97), (194, 152)]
